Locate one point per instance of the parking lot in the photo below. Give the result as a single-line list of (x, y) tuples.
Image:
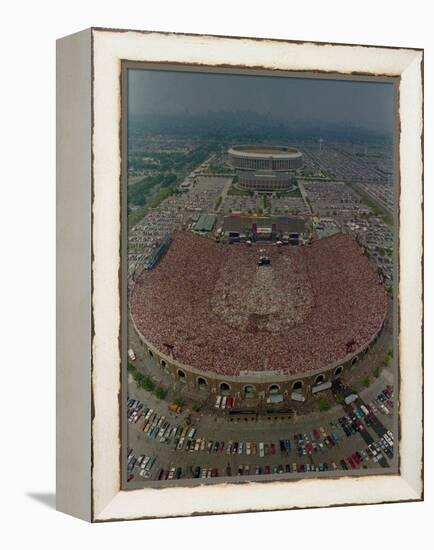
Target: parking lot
[(164, 446)]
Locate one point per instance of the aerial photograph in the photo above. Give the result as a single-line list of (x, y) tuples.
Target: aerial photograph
[(261, 215)]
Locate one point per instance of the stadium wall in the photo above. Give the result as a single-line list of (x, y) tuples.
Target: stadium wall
[(263, 383)]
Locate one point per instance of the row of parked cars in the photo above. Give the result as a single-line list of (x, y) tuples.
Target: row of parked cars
[(224, 402), (373, 452), (157, 426), (142, 465), (202, 472), (314, 441), (384, 445), (384, 401), (169, 473), (363, 417)]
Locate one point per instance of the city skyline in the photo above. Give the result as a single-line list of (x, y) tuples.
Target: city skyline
[(299, 101)]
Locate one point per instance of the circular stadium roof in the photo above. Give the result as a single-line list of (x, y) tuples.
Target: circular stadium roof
[(264, 152), (212, 307)]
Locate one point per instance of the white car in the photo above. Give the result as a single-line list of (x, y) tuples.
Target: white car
[(229, 448), (224, 402), (131, 354), (140, 460), (191, 433), (261, 449), (240, 447), (218, 402), (248, 449)]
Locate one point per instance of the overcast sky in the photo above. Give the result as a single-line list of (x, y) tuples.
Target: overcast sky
[(367, 105)]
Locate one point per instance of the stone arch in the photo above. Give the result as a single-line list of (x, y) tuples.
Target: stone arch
[(320, 379), (181, 376), (249, 389), (201, 382), (274, 388), (338, 371), (224, 388), (298, 385)]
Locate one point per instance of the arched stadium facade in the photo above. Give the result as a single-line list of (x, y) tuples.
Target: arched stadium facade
[(264, 384), (265, 169)]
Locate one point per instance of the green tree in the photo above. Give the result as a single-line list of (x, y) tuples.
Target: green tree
[(324, 404), (366, 382), (160, 392), (339, 398), (138, 377), (147, 384)]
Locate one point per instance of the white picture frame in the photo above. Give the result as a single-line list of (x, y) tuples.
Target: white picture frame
[(88, 273)]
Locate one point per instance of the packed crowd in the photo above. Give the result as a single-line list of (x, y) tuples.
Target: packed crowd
[(251, 298), (205, 305)]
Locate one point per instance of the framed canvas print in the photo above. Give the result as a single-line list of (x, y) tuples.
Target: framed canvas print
[(239, 260)]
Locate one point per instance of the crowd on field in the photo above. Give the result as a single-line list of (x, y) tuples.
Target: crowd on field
[(211, 306)]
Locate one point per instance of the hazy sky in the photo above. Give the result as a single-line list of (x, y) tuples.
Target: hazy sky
[(368, 105)]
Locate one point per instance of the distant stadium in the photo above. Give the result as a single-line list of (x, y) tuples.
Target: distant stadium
[(265, 168), (221, 318)]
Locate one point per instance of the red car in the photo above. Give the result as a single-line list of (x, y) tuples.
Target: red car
[(355, 458), (230, 402), (221, 447), (351, 463), (316, 434), (308, 447), (267, 469), (272, 448)]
